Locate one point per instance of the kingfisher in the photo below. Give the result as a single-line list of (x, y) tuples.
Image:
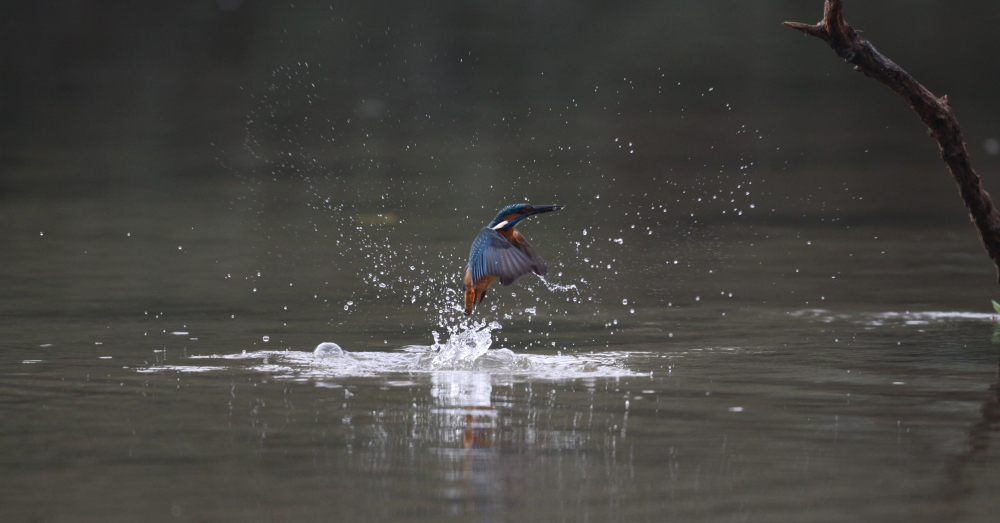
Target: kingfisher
[(501, 253)]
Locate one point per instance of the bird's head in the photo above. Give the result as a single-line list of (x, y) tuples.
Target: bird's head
[(510, 215)]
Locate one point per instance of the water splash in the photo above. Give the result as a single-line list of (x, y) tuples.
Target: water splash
[(556, 287), (304, 366), (467, 349), (466, 343)]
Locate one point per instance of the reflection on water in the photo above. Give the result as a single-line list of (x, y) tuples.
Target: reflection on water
[(983, 432), (465, 408), (680, 433), (743, 382), (462, 389), (833, 407), (725, 333)]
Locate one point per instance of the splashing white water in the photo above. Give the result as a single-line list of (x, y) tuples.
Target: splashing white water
[(305, 366), (555, 287), (466, 343), (467, 349)]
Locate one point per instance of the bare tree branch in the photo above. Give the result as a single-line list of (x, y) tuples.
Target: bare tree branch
[(934, 111)]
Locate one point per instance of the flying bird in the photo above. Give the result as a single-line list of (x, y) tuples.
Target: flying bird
[(501, 253)]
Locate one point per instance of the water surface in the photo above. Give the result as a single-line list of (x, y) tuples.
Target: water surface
[(823, 389), (764, 300)]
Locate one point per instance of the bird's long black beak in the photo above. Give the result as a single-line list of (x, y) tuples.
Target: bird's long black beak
[(539, 209)]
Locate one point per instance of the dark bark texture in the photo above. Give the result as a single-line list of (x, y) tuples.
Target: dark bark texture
[(935, 112)]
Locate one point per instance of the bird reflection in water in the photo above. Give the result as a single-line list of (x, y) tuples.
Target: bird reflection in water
[(466, 399)]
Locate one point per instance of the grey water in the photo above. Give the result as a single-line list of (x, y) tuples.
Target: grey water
[(748, 316), (149, 373)]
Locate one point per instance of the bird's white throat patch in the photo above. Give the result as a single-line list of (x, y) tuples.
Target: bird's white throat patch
[(500, 225)]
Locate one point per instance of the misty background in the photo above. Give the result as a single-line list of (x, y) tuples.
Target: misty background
[(128, 92)]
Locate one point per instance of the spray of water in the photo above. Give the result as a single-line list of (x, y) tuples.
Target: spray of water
[(468, 348)]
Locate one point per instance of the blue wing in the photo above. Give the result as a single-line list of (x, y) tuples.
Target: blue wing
[(493, 255)]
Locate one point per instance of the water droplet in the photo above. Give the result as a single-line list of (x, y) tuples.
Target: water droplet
[(992, 146)]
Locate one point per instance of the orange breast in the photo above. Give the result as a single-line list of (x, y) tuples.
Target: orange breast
[(475, 291)]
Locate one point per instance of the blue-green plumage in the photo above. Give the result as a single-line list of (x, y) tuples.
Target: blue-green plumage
[(499, 252), (513, 214), (493, 255)]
